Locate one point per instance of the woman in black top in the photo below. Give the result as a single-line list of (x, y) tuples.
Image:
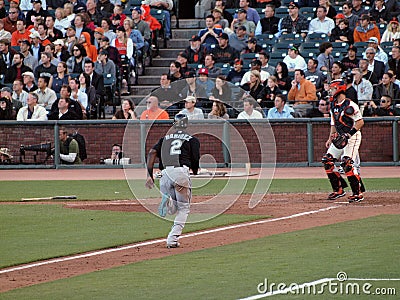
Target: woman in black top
[(282, 76)]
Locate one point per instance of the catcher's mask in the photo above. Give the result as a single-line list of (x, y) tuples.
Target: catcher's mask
[(335, 88), (181, 121)]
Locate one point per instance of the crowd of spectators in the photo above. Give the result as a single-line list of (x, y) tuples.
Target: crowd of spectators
[(54, 55), (236, 31)]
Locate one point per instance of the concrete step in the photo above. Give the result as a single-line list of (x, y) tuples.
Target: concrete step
[(180, 43), (162, 62), (189, 23), (156, 71), (171, 52), (143, 89), (149, 80), (184, 33)]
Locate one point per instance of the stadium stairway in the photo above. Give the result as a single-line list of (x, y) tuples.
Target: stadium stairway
[(179, 41)]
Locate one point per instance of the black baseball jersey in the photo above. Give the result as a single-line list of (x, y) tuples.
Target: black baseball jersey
[(178, 149), (344, 115)]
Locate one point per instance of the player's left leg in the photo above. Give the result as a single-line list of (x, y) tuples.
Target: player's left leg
[(350, 155), (183, 192)]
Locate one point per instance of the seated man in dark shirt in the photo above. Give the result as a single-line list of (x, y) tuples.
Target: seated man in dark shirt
[(46, 66), (63, 112), (385, 108)]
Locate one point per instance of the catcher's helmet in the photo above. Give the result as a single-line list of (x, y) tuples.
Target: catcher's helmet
[(337, 87), (181, 121)]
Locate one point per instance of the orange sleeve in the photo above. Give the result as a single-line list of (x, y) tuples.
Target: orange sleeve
[(163, 116), (311, 92), (356, 36), (14, 39), (292, 94)]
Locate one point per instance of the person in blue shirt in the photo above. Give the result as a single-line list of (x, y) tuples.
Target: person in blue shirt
[(280, 111)]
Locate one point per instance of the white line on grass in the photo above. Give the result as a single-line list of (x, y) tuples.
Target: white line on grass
[(158, 241), (312, 283)]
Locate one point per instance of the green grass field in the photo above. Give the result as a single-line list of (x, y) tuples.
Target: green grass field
[(119, 189), (367, 248), (364, 248)]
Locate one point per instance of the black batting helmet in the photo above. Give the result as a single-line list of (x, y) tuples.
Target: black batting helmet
[(181, 121)]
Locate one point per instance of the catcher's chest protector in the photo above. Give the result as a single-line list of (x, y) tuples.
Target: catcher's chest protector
[(343, 122)]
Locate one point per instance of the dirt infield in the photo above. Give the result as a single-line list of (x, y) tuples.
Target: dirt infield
[(290, 212)]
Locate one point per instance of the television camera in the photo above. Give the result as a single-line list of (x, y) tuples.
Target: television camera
[(45, 147)]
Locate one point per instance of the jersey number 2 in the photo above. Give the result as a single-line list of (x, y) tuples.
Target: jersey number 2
[(175, 147)]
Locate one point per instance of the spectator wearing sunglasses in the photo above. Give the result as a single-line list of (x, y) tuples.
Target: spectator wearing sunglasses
[(384, 109)]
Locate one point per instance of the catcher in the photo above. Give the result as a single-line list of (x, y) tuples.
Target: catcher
[(343, 143), (177, 152)]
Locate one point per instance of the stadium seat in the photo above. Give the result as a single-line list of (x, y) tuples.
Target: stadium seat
[(307, 11), (320, 37), (290, 37), (247, 56)]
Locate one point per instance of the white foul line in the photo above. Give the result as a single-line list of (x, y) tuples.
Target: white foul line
[(158, 241), (312, 283)]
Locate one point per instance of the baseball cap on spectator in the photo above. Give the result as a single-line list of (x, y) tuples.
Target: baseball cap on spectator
[(6, 89), (99, 30), (190, 99), (217, 9), (294, 48), (16, 1), (105, 39), (352, 47), (37, 1), (203, 71), (195, 38), (190, 74), (183, 55), (138, 9), (242, 10), (28, 74), (252, 40), (394, 20), (238, 62), (59, 42), (121, 28), (293, 4), (26, 42), (103, 52), (223, 36), (339, 16), (373, 39), (256, 62), (34, 35)]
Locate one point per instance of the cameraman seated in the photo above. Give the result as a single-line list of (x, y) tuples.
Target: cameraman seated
[(117, 156), (69, 149), (385, 108)]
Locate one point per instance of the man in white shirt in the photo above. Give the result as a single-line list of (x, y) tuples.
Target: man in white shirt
[(248, 110), (46, 95), (18, 93), (294, 61), (192, 112), (32, 111), (321, 24)]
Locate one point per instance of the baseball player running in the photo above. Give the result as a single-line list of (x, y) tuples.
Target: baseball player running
[(177, 152), (343, 143)]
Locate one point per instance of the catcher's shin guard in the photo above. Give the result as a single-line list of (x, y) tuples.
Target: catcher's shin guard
[(353, 178), (337, 182)]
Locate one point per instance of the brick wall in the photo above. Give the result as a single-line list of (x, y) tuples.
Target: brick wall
[(259, 142)]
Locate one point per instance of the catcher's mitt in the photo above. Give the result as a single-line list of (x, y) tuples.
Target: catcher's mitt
[(340, 141)]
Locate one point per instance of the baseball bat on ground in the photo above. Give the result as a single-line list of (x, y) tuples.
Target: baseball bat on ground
[(50, 198)]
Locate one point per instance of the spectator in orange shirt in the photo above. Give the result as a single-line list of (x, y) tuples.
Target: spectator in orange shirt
[(20, 34), (366, 30), (153, 112)]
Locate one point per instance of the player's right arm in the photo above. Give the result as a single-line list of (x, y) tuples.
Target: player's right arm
[(332, 135), (151, 158)]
